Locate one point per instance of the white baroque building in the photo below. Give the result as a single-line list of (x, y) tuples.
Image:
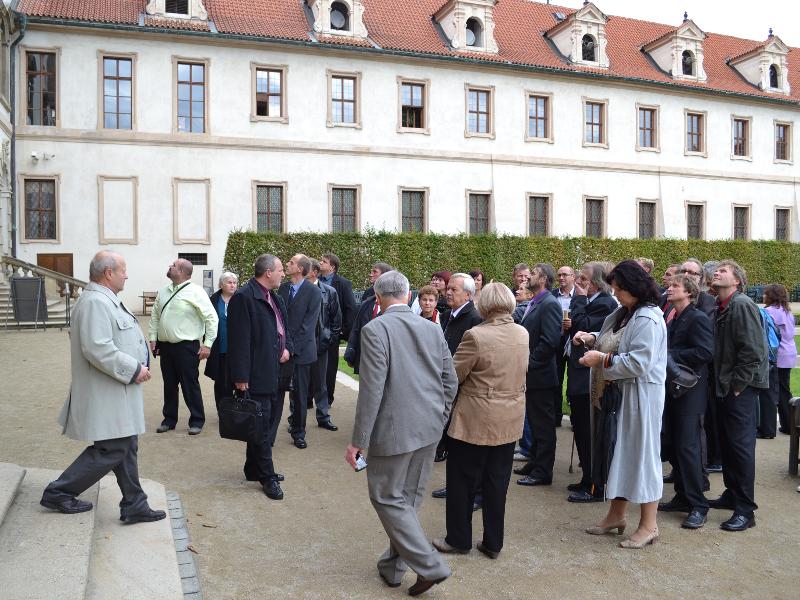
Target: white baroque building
[(156, 127)]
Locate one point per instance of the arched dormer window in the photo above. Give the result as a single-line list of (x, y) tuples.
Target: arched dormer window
[(340, 16), (588, 48), (774, 77), (474, 33), (687, 63)]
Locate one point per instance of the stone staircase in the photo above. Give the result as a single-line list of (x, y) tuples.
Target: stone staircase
[(56, 311), (87, 556)]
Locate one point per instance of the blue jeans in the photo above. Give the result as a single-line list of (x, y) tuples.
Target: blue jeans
[(527, 439)]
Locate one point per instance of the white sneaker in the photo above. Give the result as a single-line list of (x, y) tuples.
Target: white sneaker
[(519, 456)]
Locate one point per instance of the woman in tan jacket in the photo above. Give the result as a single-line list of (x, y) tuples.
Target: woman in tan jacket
[(487, 420)]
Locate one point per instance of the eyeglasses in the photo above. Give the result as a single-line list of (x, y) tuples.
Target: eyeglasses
[(688, 272)]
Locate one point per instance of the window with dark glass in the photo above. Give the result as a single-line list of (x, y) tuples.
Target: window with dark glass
[(343, 209), (478, 111), (647, 128), (191, 97), (741, 218), (774, 81), (117, 93), (413, 211), (694, 221), (41, 88), (647, 220), (538, 126), (343, 99), (413, 105), (594, 126), (694, 132), (588, 48), (782, 131), (269, 208), (594, 217), (538, 215), (782, 224), (177, 7), (340, 16), (269, 92), (687, 63), (40, 209), (479, 206), (740, 137), (474, 33)]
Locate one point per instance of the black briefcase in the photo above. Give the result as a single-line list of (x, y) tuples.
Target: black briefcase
[(240, 418)]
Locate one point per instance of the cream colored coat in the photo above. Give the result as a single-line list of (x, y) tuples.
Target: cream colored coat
[(491, 363), (107, 346)]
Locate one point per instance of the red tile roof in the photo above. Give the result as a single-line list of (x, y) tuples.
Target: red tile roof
[(186, 24), (407, 26)]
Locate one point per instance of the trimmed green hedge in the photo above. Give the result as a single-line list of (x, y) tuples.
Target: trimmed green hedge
[(420, 254)]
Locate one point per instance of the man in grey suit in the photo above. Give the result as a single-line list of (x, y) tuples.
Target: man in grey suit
[(406, 390)]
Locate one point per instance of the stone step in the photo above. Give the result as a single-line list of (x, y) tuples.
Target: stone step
[(44, 554), (135, 562), (10, 479)]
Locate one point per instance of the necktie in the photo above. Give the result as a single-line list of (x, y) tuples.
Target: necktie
[(291, 293)]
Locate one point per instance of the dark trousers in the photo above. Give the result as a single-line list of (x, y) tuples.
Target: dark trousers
[(558, 395), (582, 428), (768, 405), (539, 412), (95, 462), (331, 369), (784, 395), (180, 366), (683, 433), (258, 465), (737, 436), (471, 468), (318, 388), (298, 399), (221, 386), (711, 426)]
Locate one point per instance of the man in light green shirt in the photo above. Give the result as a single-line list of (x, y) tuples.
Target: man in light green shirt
[(184, 323)]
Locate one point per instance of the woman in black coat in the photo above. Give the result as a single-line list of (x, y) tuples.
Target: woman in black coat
[(215, 365), (690, 342)]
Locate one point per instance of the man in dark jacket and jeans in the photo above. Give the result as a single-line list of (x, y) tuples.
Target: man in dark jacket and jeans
[(740, 371)]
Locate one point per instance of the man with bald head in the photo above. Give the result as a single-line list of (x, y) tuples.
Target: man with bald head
[(183, 327)]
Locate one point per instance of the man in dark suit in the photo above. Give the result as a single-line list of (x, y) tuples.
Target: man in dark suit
[(542, 319), (303, 301), (258, 340), (565, 277), (329, 273), (378, 269)]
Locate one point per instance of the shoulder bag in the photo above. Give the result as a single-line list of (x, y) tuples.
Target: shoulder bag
[(240, 418)]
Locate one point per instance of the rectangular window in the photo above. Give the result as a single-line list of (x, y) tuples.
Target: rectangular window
[(694, 221), (695, 140), (538, 117), (479, 111), (191, 97), (343, 99), (647, 220), (594, 217), (647, 128), (176, 7), (344, 207), (413, 210), (741, 222), (117, 92), (479, 213), (594, 123), (198, 259), (41, 88), (412, 106), (741, 133), (538, 215), (783, 136), (269, 92), (269, 208), (782, 224), (40, 209)]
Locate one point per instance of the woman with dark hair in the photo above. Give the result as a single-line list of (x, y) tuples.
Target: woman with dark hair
[(477, 275), (439, 280), (630, 352), (777, 306)]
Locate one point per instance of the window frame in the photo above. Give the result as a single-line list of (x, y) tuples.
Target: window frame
[(491, 220), (101, 179), (789, 212), (549, 139), (704, 208), (21, 228), (22, 118), (656, 221), (426, 86), (254, 185), (603, 102), (101, 112), (206, 62), (468, 87), (356, 76), (425, 205), (748, 234), (656, 127), (357, 208), (703, 152), (548, 222), (255, 67), (604, 224), (176, 239), (789, 139), (748, 139)]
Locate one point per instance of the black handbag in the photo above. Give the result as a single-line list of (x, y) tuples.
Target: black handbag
[(240, 418), (680, 378), (286, 376)]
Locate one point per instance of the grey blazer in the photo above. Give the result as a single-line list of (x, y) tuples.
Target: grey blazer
[(407, 384)]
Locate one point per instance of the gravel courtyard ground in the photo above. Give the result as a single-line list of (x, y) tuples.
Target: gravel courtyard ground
[(322, 541)]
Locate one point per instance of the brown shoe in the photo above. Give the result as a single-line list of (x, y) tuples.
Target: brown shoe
[(423, 585)]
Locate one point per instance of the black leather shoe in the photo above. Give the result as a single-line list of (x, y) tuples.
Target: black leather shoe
[(423, 585), (573, 487), (300, 443), (273, 490), (391, 584), (715, 468), (328, 425), (669, 478), (146, 516), (524, 469), (531, 480), (674, 505), (694, 520), (583, 496), (163, 428), (738, 523), (440, 493), (763, 436), (441, 454), (484, 550), (721, 502), (68, 507)]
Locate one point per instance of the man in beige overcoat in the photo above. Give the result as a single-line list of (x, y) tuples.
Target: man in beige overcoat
[(105, 404)]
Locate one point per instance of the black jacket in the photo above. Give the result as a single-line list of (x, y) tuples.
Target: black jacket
[(454, 329), (586, 316), (543, 323), (352, 354), (690, 342), (329, 326), (303, 316), (708, 306), (212, 362), (347, 303), (253, 344)]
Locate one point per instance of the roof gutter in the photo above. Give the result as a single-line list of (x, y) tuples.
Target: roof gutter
[(23, 21), (405, 54)]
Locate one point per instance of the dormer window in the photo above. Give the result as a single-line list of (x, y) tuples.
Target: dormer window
[(474, 33), (687, 63), (177, 7), (588, 49), (468, 24), (765, 66), (774, 77), (340, 17), (581, 37), (180, 9)]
